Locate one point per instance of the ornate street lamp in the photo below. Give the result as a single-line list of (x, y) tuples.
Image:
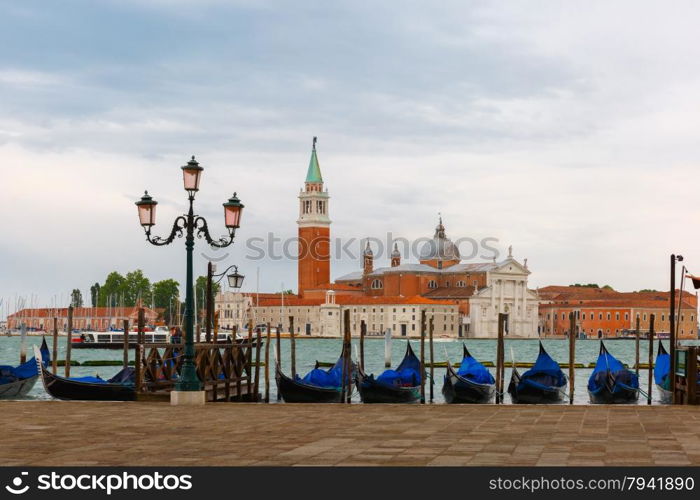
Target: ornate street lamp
[(235, 280), (188, 224)]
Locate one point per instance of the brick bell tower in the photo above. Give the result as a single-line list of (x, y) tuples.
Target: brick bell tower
[(314, 263)]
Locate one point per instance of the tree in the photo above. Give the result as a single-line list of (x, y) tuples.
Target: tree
[(76, 298), (136, 287), (112, 291), (94, 294), (166, 293)]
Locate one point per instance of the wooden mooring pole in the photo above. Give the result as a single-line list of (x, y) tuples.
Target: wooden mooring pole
[(267, 363), (636, 349), (387, 348), (69, 341), (139, 351), (499, 359), (422, 356), (249, 361), (650, 375), (22, 343), (256, 393), (432, 356), (125, 350), (346, 392), (279, 355), (292, 346), (363, 332), (54, 354), (572, 355)]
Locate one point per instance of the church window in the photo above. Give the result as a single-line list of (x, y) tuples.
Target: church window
[(475, 284), (461, 284), (432, 284), (617, 316), (608, 316), (447, 283)]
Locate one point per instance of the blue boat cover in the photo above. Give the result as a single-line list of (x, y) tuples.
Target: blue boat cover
[(90, 380), (28, 369), (407, 374), (318, 377), (608, 364), (476, 372), (545, 373), (662, 368)]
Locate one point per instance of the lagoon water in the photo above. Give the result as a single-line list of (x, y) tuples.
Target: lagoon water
[(310, 350)]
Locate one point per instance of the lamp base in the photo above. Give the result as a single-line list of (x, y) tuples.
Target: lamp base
[(187, 398)]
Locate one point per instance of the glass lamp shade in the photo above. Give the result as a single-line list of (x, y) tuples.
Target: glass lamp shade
[(147, 210), (233, 209), (235, 280), (191, 174)]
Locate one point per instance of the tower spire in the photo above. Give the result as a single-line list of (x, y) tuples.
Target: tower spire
[(313, 175)]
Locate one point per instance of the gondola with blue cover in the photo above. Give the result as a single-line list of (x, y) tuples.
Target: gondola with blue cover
[(544, 383), (17, 381), (611, 382), (471, 383), (121, 387), (317, 386), (392, 386), (662, 369)]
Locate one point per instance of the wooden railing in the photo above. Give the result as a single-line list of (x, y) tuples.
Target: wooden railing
[(229, 372), (687, 364)]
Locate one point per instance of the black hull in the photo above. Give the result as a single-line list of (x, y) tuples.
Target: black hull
[(373, 392), (295, 392), (621, 396), (18, 389), (533, 395), (72, 390), (459, 390)]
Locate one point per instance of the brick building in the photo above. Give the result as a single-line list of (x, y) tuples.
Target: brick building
[(604, 312), (84, 318)]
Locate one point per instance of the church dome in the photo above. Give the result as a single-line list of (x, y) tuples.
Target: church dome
[(440, 247)]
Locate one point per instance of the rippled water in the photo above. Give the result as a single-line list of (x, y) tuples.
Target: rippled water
[(310, 350)]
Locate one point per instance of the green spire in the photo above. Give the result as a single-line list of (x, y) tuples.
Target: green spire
[(314, 172)]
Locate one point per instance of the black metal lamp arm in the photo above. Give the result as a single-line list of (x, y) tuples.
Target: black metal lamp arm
[(200, 224), (178, 229)]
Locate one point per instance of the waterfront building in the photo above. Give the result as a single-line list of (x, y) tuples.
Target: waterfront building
[(607, 313), (84, 318), (463, 298)]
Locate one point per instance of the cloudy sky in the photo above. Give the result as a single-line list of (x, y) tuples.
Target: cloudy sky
[(566, 129)]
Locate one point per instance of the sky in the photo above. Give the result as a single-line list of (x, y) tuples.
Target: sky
[(568, 130)]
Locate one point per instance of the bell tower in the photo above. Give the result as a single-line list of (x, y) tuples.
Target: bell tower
[(314, 264)]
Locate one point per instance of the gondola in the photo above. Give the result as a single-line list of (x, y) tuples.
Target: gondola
[(472, 383), (611, 382), (544, 383), (662, 368), (118, 388), (318, 386), (17, 381), (392, 386)]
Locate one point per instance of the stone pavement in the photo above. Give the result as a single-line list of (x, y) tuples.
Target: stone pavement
[(81, 433)]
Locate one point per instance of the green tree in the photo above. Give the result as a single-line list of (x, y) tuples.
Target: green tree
[(94, 294), (136, 287), (166, 293), (76, 298), (112, 291)]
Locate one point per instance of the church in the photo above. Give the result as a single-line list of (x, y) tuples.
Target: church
[(463, 299)]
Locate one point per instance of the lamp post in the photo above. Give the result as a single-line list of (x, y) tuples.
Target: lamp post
[(235, 280), (188, 224), (672, 324)]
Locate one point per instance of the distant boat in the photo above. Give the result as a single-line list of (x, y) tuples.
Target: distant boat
[(472, 383), (662, 369), (392, 386), (17, 381), (317, 386), (114, 339), (611, 382), (544, 383), (121, 387)]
